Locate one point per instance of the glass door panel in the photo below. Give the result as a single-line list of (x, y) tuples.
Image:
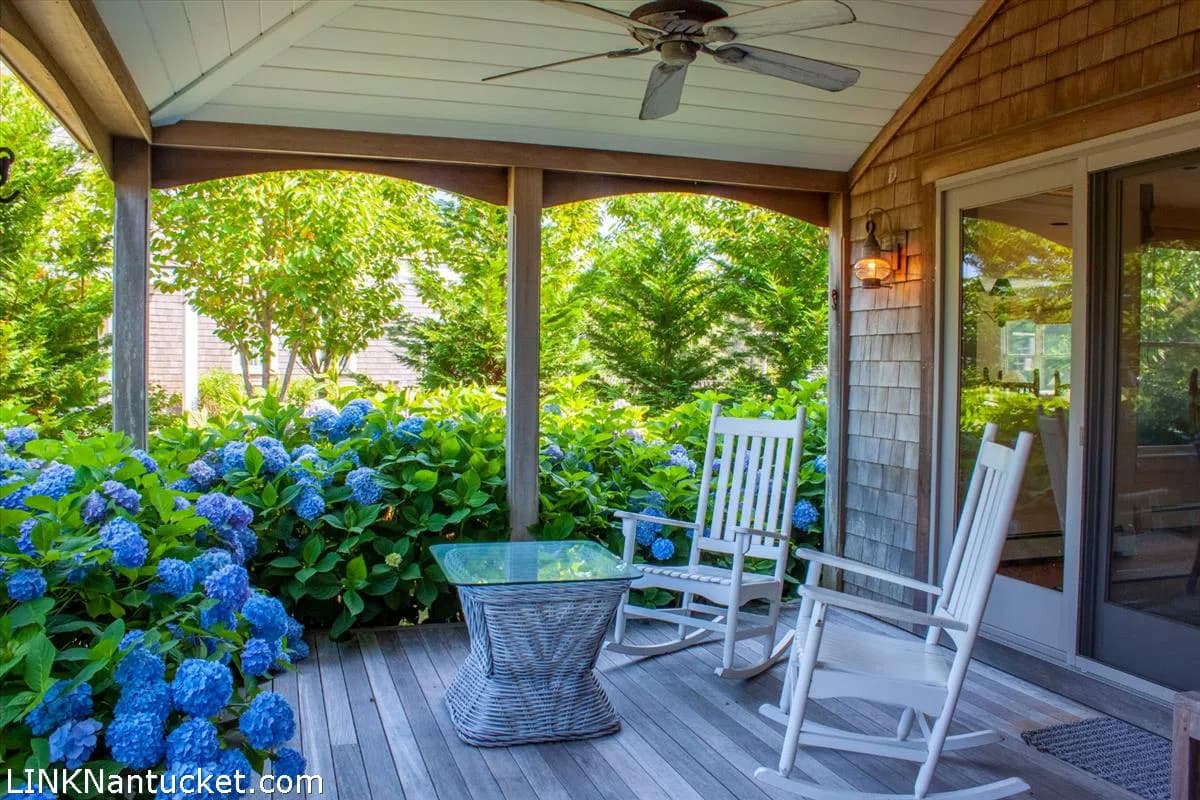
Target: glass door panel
[(1148, 614), (1015, 292)]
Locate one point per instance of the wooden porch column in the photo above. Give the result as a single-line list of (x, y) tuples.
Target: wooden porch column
[(131, 293), (524, 341)]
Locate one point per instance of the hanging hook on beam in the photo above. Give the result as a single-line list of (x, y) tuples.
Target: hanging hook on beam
[(7, 157)]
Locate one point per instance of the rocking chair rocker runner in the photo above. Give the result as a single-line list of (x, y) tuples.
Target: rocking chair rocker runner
[(836, 660), (751, 518)]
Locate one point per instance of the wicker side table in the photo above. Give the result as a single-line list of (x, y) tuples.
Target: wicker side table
[(537, 613)]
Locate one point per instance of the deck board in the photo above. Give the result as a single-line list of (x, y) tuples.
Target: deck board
[(372, 722)]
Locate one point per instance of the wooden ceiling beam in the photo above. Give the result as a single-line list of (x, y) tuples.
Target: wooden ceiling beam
[(571, 187), (476, 152)]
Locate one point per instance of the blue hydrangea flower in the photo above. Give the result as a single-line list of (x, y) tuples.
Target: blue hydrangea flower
[(202, 474), (135, 740), (202, 688), (175, 577), (16, 498), (180, 503), (275, 455), (821, 464), (677, 456), (123, 496), (268, 722), (184, 485), (54, 482), (305, 451), (266, 616), (12, 463), (804, 515), (297, 650), (233, 762), (58, 706), (257, 657), (309, 504), (363, 488), (240, 514), (195, 741), (25, 540), (662, 549), (648, 531), (230, 585), (288, 762), (145, 460), (19, 436), (655, 499), (322, 423), (73, 742), (208, 562), (25, 792), (131, 639), (233, 457), (247, 540), (130, 551), (219, 615), (25, 585), (117, 528), (635, 435), (153, 698), (214, 507), (410, 430), (139, 667), (553, 452), (95, 509)]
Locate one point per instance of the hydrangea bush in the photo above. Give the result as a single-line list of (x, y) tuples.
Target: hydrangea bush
[(131, 636), (350, 492)]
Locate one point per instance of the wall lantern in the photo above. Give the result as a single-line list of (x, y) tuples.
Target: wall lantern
[(879, 263)]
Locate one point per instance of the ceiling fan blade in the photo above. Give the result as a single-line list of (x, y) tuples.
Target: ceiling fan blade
[(809, 71), (603, 14), (786, 17), (632, 51), (663, 91)]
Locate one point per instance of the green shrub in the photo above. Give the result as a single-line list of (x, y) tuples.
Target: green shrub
[(103, 601), (341, 556)]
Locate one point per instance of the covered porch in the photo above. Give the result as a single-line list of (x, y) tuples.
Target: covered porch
[(372, 722)]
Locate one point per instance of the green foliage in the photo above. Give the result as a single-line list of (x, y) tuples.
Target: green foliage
[(54, 257), (458, 257), (308, 258), (74, 631), (220, 392), (655, 316), (439, 457)]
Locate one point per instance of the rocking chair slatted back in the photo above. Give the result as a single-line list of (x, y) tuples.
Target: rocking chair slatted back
[(982, 529), (757, 470)]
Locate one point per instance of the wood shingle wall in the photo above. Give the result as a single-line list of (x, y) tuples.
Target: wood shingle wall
[(1035, 62)]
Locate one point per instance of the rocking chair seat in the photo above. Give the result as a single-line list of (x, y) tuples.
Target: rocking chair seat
[(704, 573), (854, 652)]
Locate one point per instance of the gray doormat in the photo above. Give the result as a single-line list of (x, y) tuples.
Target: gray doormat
[(1116, 751)]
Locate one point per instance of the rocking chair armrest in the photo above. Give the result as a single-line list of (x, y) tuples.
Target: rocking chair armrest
[(673, 523), (850, 565), (776, 535), (875, 608)]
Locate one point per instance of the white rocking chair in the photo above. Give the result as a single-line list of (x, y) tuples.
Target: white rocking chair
[(752, 518), (923, 679)]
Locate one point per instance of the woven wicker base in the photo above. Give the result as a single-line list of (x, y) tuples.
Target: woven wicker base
[(529, 677)]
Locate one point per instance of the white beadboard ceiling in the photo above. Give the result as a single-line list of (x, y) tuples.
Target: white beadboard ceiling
[(414, 67)]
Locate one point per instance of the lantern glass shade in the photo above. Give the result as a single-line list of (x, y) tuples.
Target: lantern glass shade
[(872, 269)]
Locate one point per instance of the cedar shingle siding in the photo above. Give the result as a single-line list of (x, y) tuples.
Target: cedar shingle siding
[(1034, 59)]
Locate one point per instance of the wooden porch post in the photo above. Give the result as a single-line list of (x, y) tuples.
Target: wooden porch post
[(524, 341), (131, 278), (838, 392)]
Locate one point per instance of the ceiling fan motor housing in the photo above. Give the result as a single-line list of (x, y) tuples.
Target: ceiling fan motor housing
[(678, 52)]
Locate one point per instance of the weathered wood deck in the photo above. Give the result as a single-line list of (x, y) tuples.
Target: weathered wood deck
[(371, 721)]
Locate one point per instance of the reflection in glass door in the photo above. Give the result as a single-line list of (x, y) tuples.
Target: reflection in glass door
[(1010, 353), (1015, 363), (1147, 616)]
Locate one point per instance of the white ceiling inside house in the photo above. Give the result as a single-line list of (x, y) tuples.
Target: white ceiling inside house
[(414, 67)]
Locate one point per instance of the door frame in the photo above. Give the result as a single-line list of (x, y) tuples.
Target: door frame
[(1156, 140), (1015, 604)]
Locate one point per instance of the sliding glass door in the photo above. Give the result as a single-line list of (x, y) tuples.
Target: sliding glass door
[(1009, 353), (1145, 479)]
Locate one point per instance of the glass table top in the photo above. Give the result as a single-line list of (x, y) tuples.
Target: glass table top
[(497, 563)]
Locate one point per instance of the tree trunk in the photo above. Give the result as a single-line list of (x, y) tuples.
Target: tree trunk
[(244, 357), (287, 374), (266, 331)]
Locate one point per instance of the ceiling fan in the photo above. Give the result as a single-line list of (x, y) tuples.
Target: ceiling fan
[(680, 29)]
